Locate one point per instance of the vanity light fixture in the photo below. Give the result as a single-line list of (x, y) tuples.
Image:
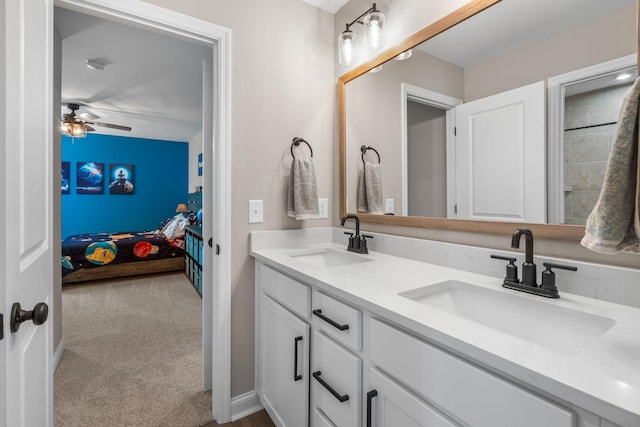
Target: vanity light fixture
[(373, 35)]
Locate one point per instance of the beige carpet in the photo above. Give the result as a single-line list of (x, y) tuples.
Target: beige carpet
[(132, 355)]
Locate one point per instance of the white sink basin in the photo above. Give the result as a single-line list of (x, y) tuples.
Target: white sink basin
[(537, 321), (324, 257)]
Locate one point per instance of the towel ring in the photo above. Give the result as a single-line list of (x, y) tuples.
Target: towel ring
[(364, 149), (296, 142)]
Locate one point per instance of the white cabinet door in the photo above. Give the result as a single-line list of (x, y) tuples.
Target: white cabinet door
[(284, 365), (390, 405), (500, 157)]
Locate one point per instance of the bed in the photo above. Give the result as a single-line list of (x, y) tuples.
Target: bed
[(109, 255)]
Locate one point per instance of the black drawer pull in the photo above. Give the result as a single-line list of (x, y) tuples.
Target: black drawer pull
[(332, 322), (341, 398), (370, 396), (296, 376)]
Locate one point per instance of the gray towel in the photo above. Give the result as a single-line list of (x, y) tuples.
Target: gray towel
[(369, 195), (302, 194), (614, 223)]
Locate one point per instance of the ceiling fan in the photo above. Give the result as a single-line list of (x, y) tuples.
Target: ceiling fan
[(74, 125)]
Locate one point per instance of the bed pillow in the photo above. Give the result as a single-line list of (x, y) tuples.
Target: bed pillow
[(174, 228)]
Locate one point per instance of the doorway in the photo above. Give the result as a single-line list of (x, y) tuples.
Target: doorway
[(573, 180), (421, 111), (217, 215)]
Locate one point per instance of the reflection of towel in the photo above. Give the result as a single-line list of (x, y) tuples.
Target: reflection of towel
[(614, 223), (369, 197), (302, 195)]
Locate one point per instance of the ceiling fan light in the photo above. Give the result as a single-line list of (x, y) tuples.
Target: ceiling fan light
[(94, 64)]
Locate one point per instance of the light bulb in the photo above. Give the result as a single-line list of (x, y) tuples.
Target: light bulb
[(346, 49), (374, 30)]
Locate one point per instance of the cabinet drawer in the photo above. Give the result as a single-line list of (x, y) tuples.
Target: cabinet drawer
[(338, 320), (470, 394), (336, 381), (393, 405), (318, 419), (288, 292)]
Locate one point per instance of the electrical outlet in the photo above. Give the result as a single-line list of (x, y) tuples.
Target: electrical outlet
[(323, 208), (255, 211), (388, 206)]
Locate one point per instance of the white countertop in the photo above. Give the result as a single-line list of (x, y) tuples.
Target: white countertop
[(603, 377)]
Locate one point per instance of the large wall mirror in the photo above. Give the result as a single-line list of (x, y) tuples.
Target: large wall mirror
[(447, 159)]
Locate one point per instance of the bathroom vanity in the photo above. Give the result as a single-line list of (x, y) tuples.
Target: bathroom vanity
[(374, 339)]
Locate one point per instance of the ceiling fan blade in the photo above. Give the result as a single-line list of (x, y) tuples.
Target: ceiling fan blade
[(87, 115), (109, 125), (88, 128)]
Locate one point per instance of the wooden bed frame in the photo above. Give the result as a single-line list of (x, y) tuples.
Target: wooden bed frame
[(125, 269)]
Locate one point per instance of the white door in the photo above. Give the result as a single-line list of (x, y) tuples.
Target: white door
[(26, 225), (500, 157)]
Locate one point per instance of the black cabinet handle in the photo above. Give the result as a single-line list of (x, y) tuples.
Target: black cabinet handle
[(296, 376), (332, 322), (341, 398), (370, 396)]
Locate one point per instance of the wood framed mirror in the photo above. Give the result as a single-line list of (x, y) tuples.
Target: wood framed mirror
[(465, 14)]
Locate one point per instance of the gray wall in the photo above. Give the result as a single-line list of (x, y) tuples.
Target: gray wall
[(283, 86), (609, 37), (373, 115), (426, 160)]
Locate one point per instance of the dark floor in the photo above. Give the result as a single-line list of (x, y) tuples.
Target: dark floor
[(259, 419)]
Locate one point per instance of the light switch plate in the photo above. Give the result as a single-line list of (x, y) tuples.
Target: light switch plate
[(388, 206), (255, 211), (323, 208)]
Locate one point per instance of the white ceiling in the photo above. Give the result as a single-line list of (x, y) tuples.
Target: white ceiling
[(511, 24), (150, 82), (331, 6)]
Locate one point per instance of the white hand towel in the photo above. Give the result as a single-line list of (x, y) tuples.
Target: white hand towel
[(302, 193), (614, 223), (369, 195)]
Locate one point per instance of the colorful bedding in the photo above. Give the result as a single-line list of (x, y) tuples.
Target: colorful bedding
[(98, 249)]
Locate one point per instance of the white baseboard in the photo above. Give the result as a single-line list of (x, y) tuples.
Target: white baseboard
[(245, 405), (57, 354)]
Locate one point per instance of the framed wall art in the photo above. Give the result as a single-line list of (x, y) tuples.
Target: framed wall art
[(89, 178), (121, 178), (65, 178)]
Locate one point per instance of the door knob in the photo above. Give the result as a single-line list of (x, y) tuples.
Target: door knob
[(39, 315)]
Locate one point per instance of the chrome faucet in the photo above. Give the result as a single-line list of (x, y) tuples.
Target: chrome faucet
[(548, 287), (357, 242)]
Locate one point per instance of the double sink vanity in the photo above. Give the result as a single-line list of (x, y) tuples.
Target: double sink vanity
[(348, 339)]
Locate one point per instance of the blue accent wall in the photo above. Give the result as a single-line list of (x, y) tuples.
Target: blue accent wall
[(160, 178)]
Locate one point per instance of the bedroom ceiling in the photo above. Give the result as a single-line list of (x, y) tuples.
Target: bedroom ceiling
[(150, 82)]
